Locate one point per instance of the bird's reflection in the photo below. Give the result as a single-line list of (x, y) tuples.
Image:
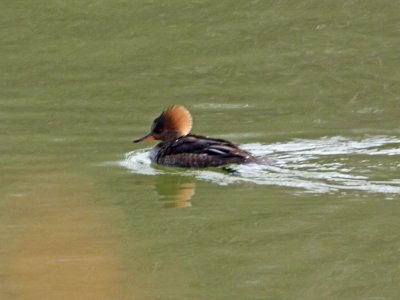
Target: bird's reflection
[(174, 190)]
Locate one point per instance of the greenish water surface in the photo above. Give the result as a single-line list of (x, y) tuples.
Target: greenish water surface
[(312, 85)]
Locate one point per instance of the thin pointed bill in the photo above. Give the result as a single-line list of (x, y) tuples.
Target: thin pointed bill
[(147, 137)]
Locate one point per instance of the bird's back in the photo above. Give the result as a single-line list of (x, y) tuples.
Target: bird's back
[(199, 151)]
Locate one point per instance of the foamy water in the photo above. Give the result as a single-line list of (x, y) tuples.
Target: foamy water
[(325, 165)]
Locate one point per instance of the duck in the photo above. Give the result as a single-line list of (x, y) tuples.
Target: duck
[(178, 147)]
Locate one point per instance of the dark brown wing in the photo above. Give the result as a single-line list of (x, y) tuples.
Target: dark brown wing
[(200, 151)]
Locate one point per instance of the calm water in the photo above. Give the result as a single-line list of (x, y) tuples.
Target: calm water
[(312, 86)]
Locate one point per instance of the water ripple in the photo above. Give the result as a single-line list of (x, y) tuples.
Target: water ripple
[(325, 165)]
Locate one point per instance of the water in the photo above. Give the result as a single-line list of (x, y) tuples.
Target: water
[(312, 86), (300, 163)]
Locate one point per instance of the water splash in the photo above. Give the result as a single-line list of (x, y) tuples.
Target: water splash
[(325, 165)]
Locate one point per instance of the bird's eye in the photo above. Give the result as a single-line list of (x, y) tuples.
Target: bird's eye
[(157, 129), (157, 125)]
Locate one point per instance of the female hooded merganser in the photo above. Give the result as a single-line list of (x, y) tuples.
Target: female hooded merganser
[(179, 148)]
